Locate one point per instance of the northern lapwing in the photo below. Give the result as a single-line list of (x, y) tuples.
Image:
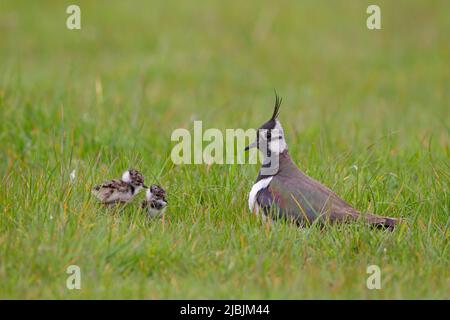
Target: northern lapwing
[(120, 190), (282, 190), (155, 202)]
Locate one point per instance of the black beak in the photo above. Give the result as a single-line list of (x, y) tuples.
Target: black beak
[(251, 145)]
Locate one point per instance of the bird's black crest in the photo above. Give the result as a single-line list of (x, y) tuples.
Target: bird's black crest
[(276, 110)]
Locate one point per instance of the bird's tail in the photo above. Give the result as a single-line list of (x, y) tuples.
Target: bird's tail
[(382, 222)]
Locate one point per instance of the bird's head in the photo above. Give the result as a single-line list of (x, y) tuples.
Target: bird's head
[(155, 192), (270, 136), (134, 177)]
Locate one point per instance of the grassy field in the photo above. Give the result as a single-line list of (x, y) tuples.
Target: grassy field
[(365, 112)]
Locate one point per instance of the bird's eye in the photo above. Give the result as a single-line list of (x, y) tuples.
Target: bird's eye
[(266, 134)]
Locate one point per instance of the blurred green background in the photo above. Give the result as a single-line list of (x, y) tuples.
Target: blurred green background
[(108, 96)]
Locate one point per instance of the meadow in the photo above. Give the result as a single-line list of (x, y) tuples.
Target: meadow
[(366, 112)]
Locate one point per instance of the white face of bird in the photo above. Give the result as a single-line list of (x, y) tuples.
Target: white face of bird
[(148, 195), (272, 141)]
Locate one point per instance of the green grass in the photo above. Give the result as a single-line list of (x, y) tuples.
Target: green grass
[(108, 97)]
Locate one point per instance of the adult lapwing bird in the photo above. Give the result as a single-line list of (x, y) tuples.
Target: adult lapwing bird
[(120, 190), (282, 190), (155, 202)]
